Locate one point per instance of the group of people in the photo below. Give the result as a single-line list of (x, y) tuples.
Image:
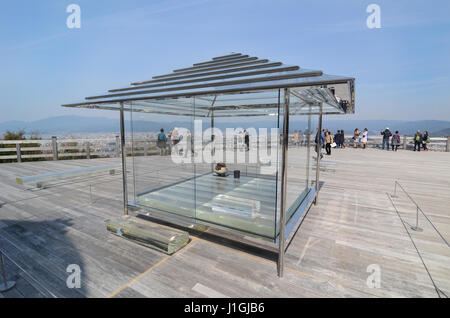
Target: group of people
[(328, 141), (421, 140), (165, 143), (390, 140), (360, 139)]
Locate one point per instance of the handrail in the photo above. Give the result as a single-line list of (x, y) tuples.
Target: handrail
[(416, 228), (438, 291)]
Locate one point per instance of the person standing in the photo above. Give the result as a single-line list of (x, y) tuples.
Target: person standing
[(356, 134), (300, 138), (337, 138), (425, 140), (417, 141), (395, 142), (386, 136), (296, 139), (342, 139), (328, 142), (319, 142), (161, 142), (246, 140), (365, 138)]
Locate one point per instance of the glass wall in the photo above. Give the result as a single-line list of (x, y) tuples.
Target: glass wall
[(219, 165), (161, 161)]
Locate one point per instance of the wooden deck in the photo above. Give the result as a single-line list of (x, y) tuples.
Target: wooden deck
[(354, 225)]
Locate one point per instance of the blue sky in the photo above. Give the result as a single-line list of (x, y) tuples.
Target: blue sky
[(402, 69)]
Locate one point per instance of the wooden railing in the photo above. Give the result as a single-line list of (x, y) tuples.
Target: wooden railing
[(54, 149), (441, 144)]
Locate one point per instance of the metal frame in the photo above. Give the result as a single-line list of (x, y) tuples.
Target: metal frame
[(284, 160), (124, 160), (319, 151)]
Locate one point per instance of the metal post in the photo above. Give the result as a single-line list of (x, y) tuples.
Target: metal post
[(88, 150), (5, 286), (404, 142), (55, 148), (395, 190), (447, 148), (124, 160), (319, 150), (417, 228), (213, 149), (19, 152), (212, 138), (284, 158), (118, 146)]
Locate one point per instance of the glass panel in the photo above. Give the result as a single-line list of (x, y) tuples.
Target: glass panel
[(236, 177), (298, 169), (162, 163), (298, 163), (222, 172)]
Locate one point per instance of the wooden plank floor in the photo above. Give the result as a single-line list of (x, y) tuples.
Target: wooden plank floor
[(354, 225)]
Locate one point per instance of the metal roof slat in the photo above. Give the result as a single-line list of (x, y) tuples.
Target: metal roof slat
[(210, 78), (212, 84), (252, 58), (211, 68)]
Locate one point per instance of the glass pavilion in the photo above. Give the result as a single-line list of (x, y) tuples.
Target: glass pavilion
[(210, 102)]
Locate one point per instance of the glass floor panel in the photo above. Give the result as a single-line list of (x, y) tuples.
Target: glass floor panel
[(246, 204)]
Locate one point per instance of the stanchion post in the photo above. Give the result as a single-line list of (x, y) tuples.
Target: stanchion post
[(55, 148), (417, 228), (6, 285)]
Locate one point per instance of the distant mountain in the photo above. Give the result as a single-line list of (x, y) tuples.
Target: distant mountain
[(77, 124), (441, 133)]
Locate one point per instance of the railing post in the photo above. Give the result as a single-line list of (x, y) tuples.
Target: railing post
[(404, 142), (447, 149), (88, 150), (19, 152), (55, 148), (417, 228)]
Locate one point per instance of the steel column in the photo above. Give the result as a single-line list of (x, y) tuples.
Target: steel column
[(319, 151), (284, 158), (124, 160)]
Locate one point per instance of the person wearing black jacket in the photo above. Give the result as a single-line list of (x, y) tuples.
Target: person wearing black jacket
[(319, 142), (386, 136), (417, 140), (342, 139)]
